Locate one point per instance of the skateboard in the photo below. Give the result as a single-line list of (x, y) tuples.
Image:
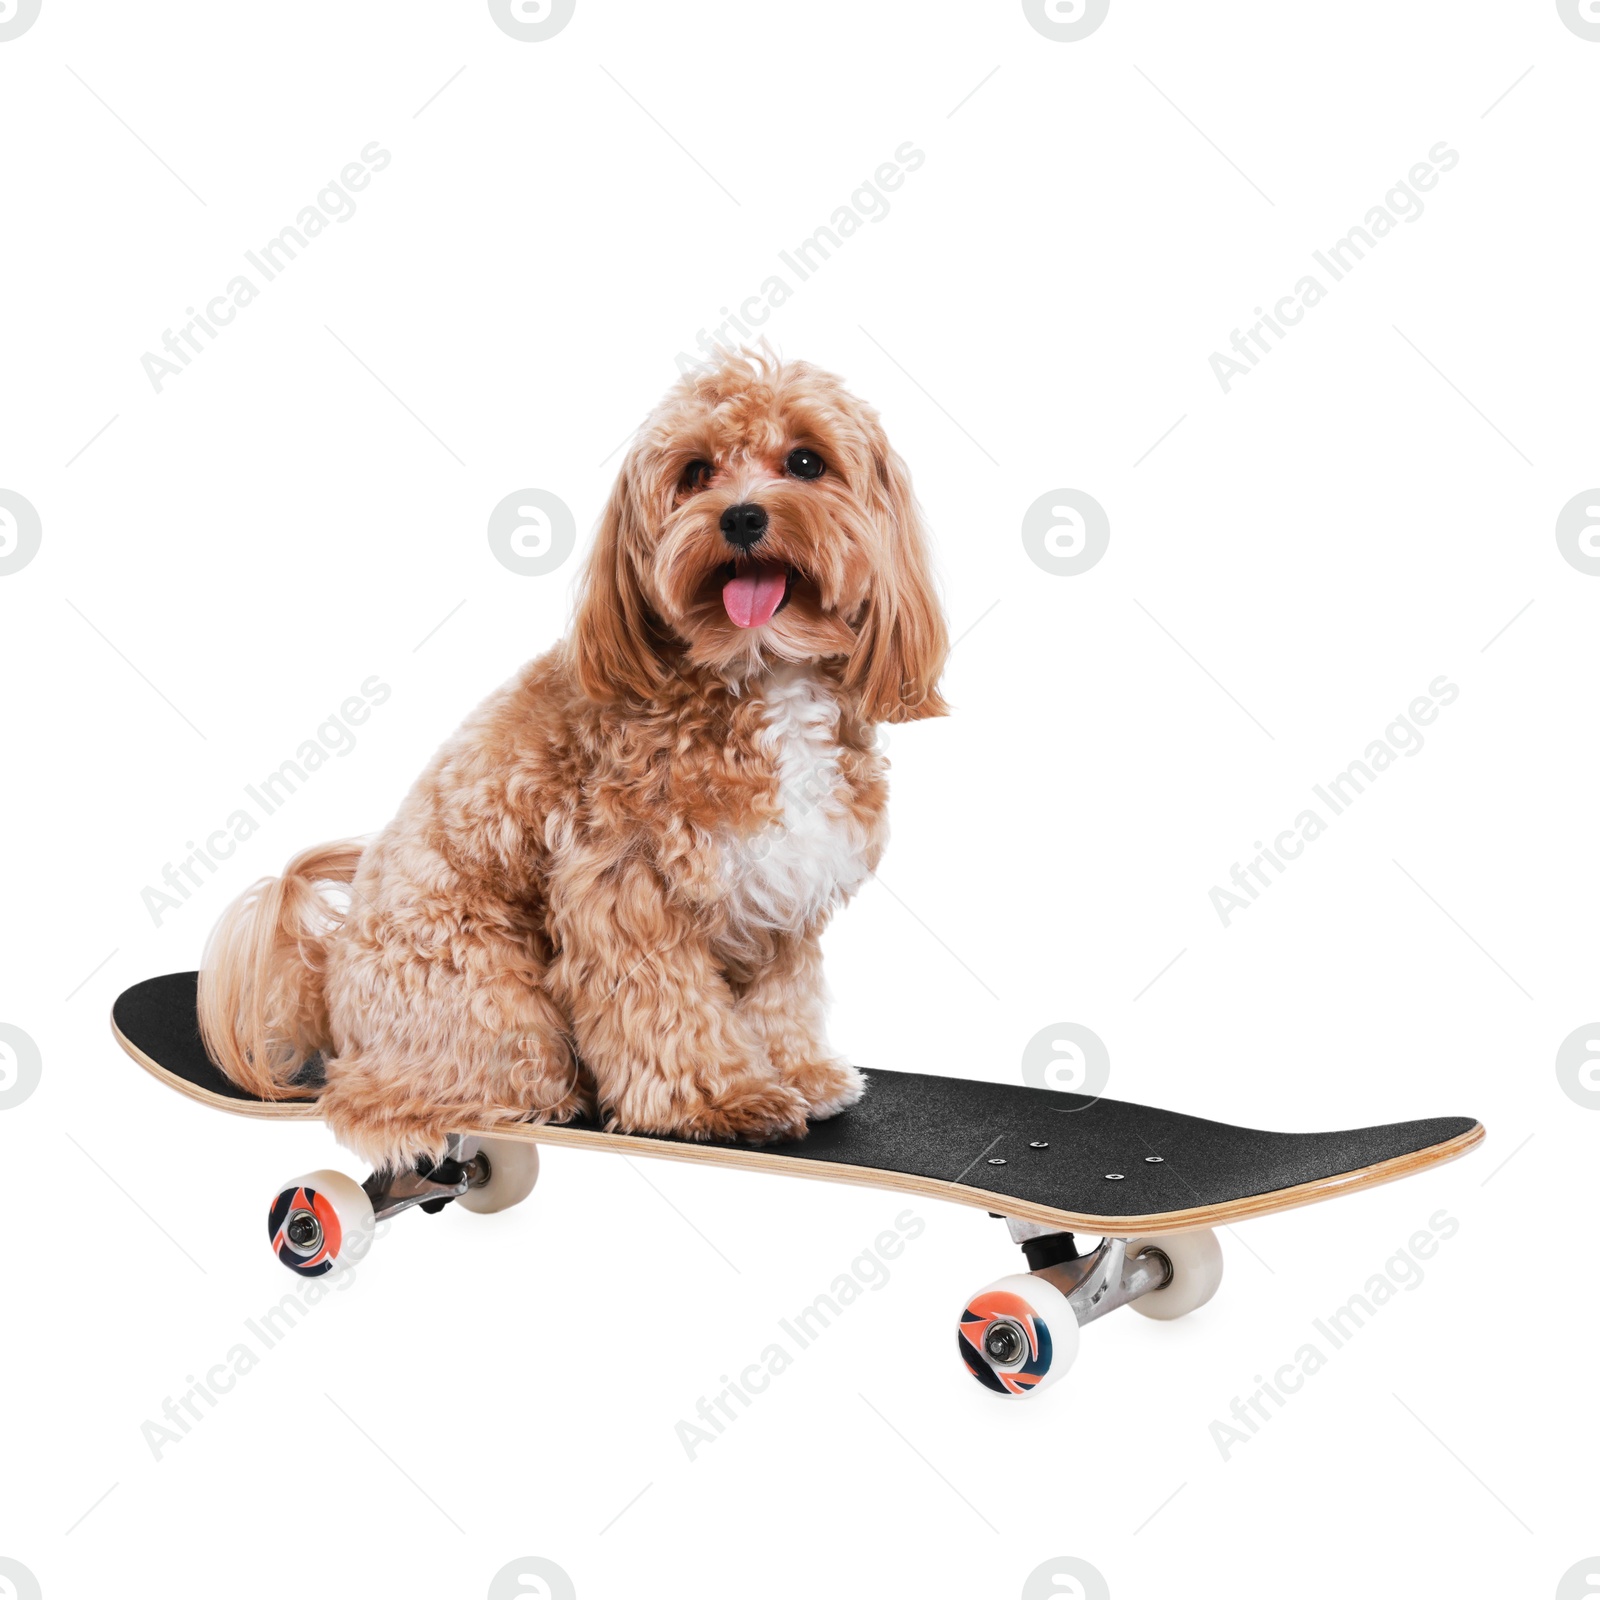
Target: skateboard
[(1151, 1186)]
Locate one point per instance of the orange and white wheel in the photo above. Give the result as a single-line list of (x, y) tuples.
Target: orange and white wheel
[(321, 1221), (1018, 1336)]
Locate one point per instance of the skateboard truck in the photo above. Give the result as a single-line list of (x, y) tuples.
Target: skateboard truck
[(431, 1185), (1096, 1283), (308, 1231), (1043, 1246), (1021, 1333), (326, 1219)]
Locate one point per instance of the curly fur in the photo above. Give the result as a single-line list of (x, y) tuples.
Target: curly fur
[(605, 894)]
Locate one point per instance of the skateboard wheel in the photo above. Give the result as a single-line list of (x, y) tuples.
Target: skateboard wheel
[(319, 1222), (513, 1171), (1018, 1336), (1196, 1261)]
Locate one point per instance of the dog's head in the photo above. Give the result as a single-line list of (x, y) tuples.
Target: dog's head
[(761, 516)]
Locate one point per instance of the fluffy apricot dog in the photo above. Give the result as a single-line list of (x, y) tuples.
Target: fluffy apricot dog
[(605, 894)]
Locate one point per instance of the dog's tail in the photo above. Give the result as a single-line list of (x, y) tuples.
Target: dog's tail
[(262, 1009)]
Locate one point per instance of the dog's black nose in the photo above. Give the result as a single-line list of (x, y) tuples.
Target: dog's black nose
[(743, 526)]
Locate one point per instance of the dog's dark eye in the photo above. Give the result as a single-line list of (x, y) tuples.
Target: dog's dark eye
[(695, 477), (804, 463)]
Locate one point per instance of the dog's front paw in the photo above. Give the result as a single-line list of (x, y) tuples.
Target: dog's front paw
[(827, 1086), (762, 1113)]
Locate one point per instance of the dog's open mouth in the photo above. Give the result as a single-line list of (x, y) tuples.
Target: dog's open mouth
[(755, 592)]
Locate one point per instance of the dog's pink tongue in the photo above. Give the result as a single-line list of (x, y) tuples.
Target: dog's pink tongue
[(751, 597)]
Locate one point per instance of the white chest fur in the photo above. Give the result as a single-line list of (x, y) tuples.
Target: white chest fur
[(815, 855)]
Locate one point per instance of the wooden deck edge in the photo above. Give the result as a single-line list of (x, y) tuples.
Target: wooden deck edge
[(1211, 1216), (270, 1110)]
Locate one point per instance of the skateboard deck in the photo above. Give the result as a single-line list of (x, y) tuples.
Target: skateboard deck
[(1055, 1160)]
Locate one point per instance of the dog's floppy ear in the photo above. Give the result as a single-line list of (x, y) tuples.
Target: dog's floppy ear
[(613, 632), (901, 641)]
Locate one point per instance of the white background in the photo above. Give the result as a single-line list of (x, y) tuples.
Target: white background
[(1289, 567)]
